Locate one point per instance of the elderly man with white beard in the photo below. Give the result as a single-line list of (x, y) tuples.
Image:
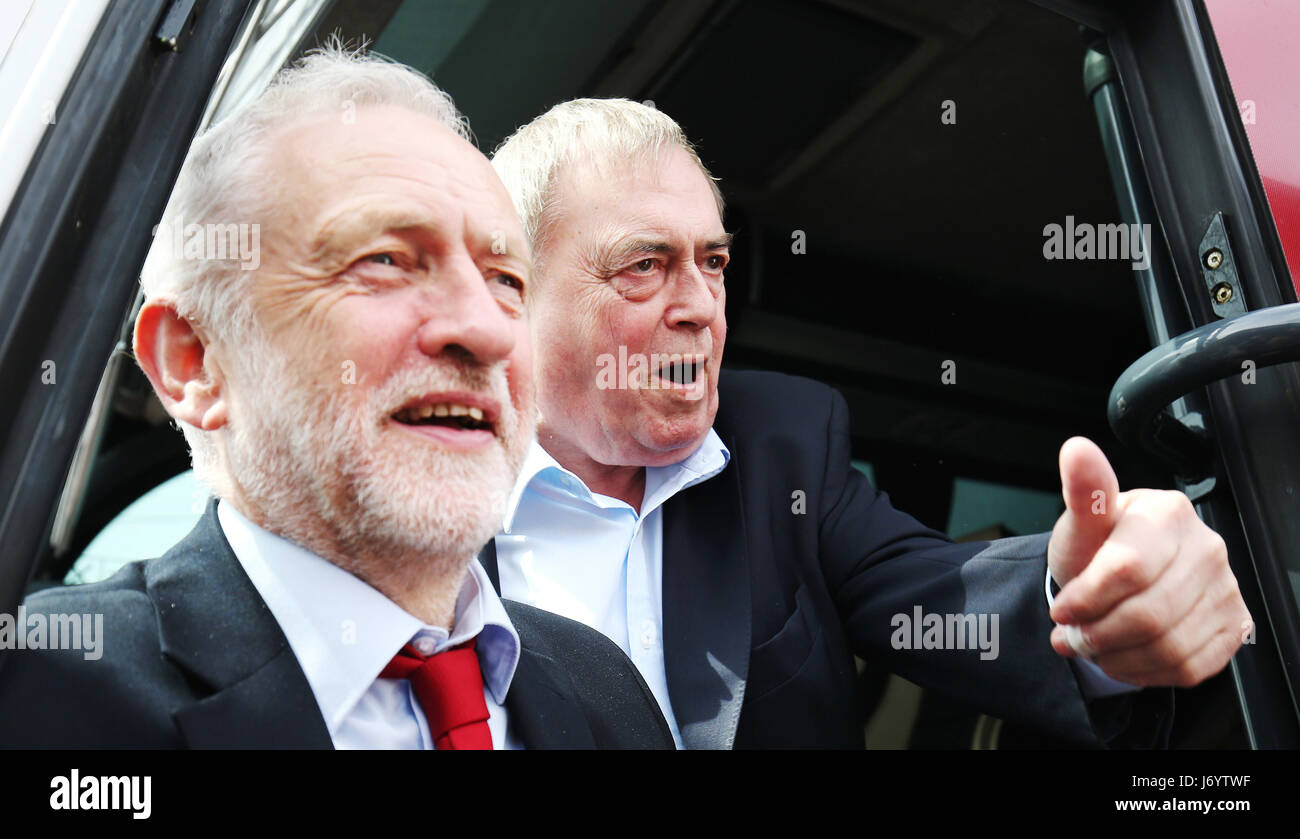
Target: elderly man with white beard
[(360, 405)]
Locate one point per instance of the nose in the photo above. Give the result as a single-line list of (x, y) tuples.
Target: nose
[(463, 315), (694, 304)]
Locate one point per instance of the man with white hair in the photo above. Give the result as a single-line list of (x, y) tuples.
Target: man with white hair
[(712, 525), (360, 404)]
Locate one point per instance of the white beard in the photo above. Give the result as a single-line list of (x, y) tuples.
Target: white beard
[(348, 483)]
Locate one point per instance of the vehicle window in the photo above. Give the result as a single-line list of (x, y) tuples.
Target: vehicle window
[(989, 510), (147, 528)]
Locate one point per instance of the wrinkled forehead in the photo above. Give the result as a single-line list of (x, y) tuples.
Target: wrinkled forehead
[(324, 147), (386, 155), (664, 188)]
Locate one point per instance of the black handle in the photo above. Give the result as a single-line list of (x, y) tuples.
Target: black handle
[(1180, 365)]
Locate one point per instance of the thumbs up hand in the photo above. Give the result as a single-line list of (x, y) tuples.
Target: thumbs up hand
[(1146, 591)]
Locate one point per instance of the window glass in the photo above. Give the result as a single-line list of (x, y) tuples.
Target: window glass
[(147, 528), (980, 506)]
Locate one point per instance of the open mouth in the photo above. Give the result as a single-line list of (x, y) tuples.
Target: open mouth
[(456, 416), (682, 372)]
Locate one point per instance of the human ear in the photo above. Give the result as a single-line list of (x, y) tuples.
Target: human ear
[(180, 366)]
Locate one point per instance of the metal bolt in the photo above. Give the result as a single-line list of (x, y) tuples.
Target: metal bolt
[(1222, 293), (1213, 259)]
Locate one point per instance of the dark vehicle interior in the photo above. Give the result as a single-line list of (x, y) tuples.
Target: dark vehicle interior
[(889, 168)]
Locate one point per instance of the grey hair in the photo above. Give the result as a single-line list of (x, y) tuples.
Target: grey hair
[(224, 181), (604, 133)]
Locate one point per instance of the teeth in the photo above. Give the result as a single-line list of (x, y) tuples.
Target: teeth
[(442, 409)]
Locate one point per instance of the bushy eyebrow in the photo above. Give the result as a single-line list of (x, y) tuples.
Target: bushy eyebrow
[(349, 230), (339, 237), (608, 260)]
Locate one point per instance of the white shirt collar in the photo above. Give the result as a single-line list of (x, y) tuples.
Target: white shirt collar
[(662, 482), (344, 632)]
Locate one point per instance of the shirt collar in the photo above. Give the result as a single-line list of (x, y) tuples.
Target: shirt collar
[(344, 632), (662, 482), (536, 463)]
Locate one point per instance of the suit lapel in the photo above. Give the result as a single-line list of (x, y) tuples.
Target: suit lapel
[(268, 709), (542, 703), (543, 711), (216, 627), (706, 601), (706, 650)]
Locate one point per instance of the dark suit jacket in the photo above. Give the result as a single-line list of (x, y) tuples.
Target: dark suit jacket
[(765, 603), (192, 657)]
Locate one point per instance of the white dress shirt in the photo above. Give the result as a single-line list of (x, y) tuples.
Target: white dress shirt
[(344, 632), (594, 559)]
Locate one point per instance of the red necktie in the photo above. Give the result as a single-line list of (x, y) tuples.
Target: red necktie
[(449, 686)]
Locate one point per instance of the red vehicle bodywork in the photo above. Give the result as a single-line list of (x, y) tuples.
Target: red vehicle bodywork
[(1257, 39)]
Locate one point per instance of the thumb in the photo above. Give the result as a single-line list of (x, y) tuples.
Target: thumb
[(1091, 493)]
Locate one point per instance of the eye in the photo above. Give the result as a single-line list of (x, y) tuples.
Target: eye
[(645, 265), (512, 282), (716, 262), (382, 269), (508, 291)]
